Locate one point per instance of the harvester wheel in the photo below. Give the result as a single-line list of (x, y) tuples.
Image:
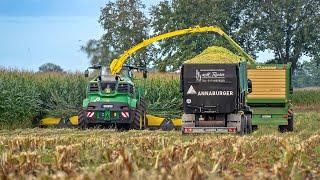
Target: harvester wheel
[(140, 114), (167, 125), (82, 124), (63, 123)]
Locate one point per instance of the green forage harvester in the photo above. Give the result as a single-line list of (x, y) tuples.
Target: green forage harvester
[(216, 55)]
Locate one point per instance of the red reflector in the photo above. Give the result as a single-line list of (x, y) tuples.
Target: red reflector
[(187, 130), (231, 130), (90, 114), (285, 116), (125, 114)]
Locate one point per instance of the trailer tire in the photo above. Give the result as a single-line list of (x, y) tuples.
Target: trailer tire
[(243, 125), (290, 124), (249, 123)]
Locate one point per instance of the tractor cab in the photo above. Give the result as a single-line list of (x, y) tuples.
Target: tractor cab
[(107, 84)]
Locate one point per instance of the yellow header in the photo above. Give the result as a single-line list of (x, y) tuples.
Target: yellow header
[(116, 64)]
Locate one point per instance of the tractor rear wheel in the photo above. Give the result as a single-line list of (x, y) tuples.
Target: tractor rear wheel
[(140, 115)]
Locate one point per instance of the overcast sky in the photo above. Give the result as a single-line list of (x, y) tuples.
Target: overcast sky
[(33, 32)]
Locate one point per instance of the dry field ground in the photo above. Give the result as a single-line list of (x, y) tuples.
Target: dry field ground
[(108, 154)]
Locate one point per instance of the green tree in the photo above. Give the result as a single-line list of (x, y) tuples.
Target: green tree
[(289, 28), (230, 15), (307, 74), (97, 52), (50, 67), (125, 25)]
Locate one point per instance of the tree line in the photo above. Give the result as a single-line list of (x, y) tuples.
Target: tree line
[(290, 29)]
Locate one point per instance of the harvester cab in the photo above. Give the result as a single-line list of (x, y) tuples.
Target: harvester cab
[(113, 100)]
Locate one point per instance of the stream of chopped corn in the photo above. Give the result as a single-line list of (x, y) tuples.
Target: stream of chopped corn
[(216, 55)]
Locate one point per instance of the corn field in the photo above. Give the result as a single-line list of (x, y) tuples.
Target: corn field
[(307, 98), (26, 97), (98, 154)]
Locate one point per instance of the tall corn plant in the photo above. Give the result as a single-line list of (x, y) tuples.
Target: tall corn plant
[(306, 97), (61, 94), (26, 97), (162, 95), (19, 99)]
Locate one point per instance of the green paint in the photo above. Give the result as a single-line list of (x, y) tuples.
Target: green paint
[(277, 107), (113, 96)]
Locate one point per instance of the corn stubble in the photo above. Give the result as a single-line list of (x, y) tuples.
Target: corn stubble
[(100, 154)]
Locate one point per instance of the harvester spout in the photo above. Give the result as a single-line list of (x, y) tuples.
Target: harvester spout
[(117, 64)]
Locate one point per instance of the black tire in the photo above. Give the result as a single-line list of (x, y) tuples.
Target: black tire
[(249, 123), (139, 114), (290, 123), (69, 124), (62, 123), (167, 125), (82, 124), (123, 127), (289, 127), (243, 126)]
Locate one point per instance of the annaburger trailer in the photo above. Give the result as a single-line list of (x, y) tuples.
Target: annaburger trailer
[(214, 98)]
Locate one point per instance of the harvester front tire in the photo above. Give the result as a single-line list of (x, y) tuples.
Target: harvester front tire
[(82, 124), (139, 114)]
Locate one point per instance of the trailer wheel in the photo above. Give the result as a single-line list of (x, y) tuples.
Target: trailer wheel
[(290, 123), (249, 123), (243, 125)]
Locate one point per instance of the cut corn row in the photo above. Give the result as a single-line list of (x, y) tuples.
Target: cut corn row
[(88, 154)]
